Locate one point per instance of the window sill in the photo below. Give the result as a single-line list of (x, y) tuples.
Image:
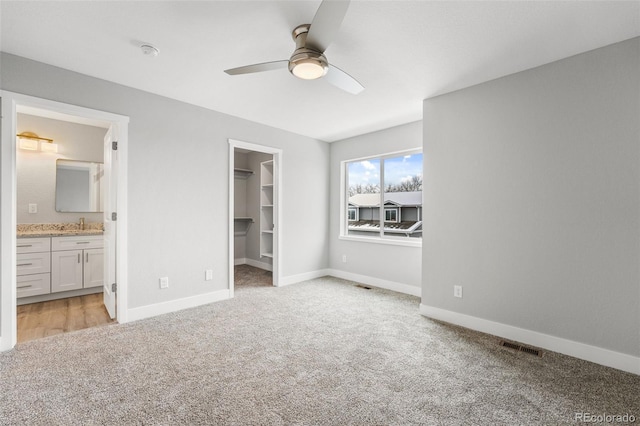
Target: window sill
[(385, 241)]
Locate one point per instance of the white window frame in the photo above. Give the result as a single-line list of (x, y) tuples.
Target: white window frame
[(380, 238), (356, 213), (391, 209)]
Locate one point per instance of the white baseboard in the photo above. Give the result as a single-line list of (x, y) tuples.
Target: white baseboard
[(376, 282), (293, 279), (4, 346), (583, 351), (176, 305), (254, 263)]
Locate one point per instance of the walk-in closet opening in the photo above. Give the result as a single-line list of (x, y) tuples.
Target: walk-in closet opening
[(255, 192)]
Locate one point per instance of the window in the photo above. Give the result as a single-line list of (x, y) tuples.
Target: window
[(391, 215), (383, 197)]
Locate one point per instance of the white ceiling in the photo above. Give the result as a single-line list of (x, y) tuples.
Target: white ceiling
[(401, 51)]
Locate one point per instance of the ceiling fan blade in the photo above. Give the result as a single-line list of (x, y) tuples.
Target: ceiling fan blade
[(326, 23), (265, 66), (343, 81)]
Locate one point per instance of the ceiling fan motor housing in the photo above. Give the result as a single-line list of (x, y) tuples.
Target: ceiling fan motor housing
[(306, 63)]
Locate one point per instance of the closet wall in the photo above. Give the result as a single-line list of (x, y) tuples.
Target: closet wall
[(240, 207)]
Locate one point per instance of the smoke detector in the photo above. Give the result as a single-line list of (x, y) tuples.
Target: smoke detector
[(149, 50)]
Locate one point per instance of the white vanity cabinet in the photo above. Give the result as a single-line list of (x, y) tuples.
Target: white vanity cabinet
[(76, 262), (33, 266), (93, 270)]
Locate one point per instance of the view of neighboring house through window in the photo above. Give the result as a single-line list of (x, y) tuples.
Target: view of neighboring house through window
[(392, 181)]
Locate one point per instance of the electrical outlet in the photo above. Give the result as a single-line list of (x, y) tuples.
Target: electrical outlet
[(457, 291), (344, 258), (208, 274), (33, 208), (164, 282)]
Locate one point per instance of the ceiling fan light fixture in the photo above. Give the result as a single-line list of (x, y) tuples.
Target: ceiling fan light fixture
[(308, 64), (309, 69)]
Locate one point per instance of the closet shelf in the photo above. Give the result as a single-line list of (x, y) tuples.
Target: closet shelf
[(241, 225), (242, 173)]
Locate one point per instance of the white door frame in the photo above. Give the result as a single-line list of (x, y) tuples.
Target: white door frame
[(10, 104), (277, 208)]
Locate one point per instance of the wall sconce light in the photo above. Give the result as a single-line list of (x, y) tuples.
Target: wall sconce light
[(30, 141)]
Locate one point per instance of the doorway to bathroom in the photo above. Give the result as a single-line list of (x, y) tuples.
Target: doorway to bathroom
[(63, 266), (254, 215)]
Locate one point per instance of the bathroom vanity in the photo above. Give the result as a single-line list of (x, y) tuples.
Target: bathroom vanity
[(55, 264)]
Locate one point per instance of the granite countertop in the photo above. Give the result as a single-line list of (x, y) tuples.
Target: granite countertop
[(34, 234), (33, 230)]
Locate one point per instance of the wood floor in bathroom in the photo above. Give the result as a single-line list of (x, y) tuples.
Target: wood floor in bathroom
[(44, 319)]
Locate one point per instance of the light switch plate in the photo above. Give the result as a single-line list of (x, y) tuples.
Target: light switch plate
[(164, 282), (457, 291)]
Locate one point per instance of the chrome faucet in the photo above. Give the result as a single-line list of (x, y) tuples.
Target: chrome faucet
[(82, 223)]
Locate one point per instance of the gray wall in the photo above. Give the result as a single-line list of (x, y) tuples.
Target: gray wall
[(532, 201), (178, 182), (36, 171), (399, 264)]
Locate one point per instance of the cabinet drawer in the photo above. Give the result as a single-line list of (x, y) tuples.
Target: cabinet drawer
[(33, 263), (77, 242), (33, 285), (33, 245)]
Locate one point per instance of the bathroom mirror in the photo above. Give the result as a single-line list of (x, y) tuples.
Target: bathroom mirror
[(79, 186)]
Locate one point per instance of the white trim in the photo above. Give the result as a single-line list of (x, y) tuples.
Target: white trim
[(377, 282), (306, 276), (344, 199), (8, 310), (122, 256), (11, 103), (277, 213), (149, 311), (407, 242), (231, 213), (579, 350)]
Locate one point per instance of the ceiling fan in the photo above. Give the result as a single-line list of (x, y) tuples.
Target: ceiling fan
[(308, 61)]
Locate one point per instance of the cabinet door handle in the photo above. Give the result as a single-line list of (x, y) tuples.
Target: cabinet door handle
[(83, 242), (25, 264), (87, 257), (24, 286), (78, 257), (25, 245)]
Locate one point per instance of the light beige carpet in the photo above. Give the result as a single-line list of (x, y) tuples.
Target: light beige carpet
[(322, 352)]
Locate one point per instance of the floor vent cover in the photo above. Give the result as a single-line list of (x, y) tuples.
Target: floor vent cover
[(521, 348), (363, 286)]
